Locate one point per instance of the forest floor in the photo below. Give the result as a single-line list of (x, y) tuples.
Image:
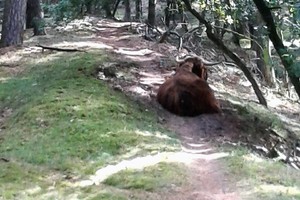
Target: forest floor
[(219, 157)]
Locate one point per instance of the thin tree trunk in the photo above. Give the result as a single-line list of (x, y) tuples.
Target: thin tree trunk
[(13, 22), (182, 17), (151, 12), (234, 57), (263, 57), (107, 8), (89, 6), (173, 11), (138, 10), (34, 17), (168, 13), (127, 16), (217, 31), (285, 57), (116, 7)]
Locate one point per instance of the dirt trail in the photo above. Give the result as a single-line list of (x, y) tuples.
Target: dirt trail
[(207, 177)]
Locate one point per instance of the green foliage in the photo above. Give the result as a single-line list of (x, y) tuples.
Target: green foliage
[(294, 11), (39, 23), (296, 68), (108, 196), (15, 177), (64, 9)]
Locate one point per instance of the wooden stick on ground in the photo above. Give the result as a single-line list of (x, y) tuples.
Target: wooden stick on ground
[(56, 48)]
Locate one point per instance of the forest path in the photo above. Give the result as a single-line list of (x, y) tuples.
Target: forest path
[(207, 178)]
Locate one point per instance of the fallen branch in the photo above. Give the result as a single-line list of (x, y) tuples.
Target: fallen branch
[(4, 159), (5, 65), (56, 48)]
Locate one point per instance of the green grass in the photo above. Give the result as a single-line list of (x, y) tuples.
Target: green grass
[(65, 119), (258, 115), (254, 174), (13, 176), (150, 178), (108, 196)]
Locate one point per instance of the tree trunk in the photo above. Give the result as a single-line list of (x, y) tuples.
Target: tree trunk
[(138, 10), (107, 8), (168, 13), (34, 17), (182, 17), (116, 7), (89, 4), (13, 23), (217, 31), (263, 61), (286, 58), (228, 11), (151, 12), (234, 57), (127, 15)]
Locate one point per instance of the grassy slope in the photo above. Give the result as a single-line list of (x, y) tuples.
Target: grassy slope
[(66, 121), (67, 124)]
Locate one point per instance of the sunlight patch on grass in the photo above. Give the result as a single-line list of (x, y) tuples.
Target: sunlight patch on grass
[(155, 134), (253, 158), (4, 79), (279, 189), (93, 193), (140, 163), (15, 177), (135, 163), (276, 192), (44, 58), (108, 196), (150, 178)]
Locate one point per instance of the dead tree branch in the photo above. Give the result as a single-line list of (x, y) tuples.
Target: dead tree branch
[(56, 48)]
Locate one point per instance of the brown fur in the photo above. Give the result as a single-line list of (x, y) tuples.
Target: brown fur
[(187, 93)]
